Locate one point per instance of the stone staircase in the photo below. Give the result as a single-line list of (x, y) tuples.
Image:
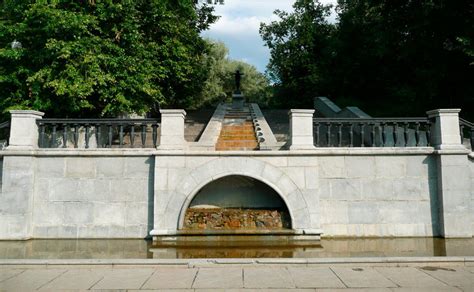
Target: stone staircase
[(238, 132)]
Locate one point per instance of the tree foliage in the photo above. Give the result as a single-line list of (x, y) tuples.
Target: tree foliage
[(91, 58), (300, 45), (389, 57), (220, 84)]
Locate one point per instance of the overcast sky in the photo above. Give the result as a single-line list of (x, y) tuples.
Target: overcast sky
[(239, 24)]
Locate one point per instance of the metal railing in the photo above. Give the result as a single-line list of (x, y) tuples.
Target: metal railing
[(373, 132), (467, 130), (97, 133), (4, 134)]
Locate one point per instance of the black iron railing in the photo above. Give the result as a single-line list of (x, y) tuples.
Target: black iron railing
[(105, 133), (467, 130), (374, 132), (4, 134)]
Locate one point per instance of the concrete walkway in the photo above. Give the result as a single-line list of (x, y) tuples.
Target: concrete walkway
[(235, 275)]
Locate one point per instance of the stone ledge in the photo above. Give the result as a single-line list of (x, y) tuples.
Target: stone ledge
[(360, 151), (379, 261)]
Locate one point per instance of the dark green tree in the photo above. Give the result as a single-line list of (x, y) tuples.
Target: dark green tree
[(101, 58), (399, 57), (405, 57), (301, 52)]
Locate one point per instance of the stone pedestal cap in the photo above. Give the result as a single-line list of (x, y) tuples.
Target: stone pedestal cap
[(23, 129), (445, 133)]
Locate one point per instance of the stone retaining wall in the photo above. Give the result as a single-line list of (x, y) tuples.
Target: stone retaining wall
[(378, 196), (125, 194), (93, 197), (1, 173), (471, 164)]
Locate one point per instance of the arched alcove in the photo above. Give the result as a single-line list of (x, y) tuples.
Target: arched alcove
[(237, 202)]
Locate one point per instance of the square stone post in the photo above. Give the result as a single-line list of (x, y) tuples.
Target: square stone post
[(172, 129), (301, 129), (16, 196), (23, 130), (454, 180), (445, 132)]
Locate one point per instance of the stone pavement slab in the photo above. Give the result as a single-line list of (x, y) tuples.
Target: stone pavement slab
[(430, 289), (365, 277), (166, 278), (469, 269), (254, 277), (127, 278), (455, 276), (254, 290), (313, 277), (409, 277), (6, 274), (268, 277), (219, 278), (75, 279), (355, 290), (30, 280)]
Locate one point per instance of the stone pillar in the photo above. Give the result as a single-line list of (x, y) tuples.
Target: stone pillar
[(445, 133), (454, 181), (16, 196), (301, 129), (23, 129), (172, 130)]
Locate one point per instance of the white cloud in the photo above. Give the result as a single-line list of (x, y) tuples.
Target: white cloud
[(239, 25)]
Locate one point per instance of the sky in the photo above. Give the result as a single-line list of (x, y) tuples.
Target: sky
[(239, 24)]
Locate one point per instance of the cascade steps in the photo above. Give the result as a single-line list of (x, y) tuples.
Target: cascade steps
[(238, 132)]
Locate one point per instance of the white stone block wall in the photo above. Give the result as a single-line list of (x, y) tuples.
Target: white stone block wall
[(16, 198), (378, 195), (471, 166), (93, 197), (120, 196), (1, 173)]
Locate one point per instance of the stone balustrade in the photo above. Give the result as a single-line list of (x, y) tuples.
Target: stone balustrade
[(338, 191)]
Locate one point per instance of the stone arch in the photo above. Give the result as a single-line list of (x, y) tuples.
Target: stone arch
[(195, 179)]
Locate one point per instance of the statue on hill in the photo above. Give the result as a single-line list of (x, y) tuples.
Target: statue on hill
[(238, 77)]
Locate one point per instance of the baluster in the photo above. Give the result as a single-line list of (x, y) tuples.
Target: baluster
[(339, 134), (132, 134), (383, 135), (417, 135), (405, 133), (372, 135), (65, 135), (53, 136), (42, 133), (98, 136), (110, 135), (155, 134), (362, 135), (143, 135), (87, 136), (121, 135), (395, 134), (461, 129), (76, 136), (472, 138), (428, 133), (351, 135), (317, 133), (328, 134)]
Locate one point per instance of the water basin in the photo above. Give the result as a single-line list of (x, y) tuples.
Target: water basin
[(239, 247)]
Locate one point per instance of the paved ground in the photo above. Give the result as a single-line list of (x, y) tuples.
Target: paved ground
[(253, 277)]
